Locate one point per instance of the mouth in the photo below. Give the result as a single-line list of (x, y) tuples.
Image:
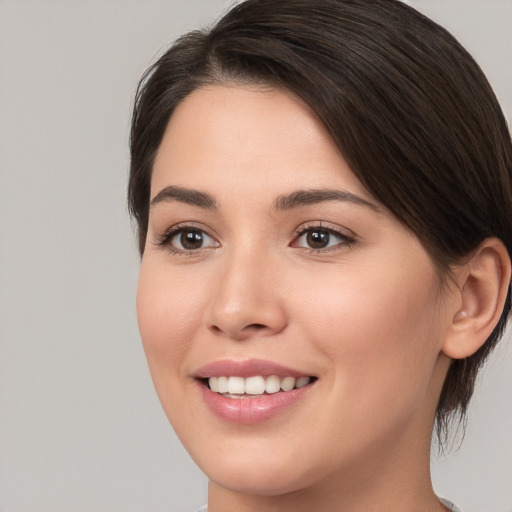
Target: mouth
[(255, 386), (253, 391)]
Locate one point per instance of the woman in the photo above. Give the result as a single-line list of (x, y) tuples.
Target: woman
[(323, 197)]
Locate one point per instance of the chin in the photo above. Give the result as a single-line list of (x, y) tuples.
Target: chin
[(257, 481), (260, 473)]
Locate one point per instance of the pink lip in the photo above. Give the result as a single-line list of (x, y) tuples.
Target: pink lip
[(245, 369), (248, 411)]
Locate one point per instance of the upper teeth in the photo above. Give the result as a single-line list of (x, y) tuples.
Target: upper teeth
[(256, 385)]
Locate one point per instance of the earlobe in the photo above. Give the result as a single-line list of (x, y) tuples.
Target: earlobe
[(483, 285)]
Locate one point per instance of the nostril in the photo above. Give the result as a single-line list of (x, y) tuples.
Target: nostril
[(241, 333), (256, 327)]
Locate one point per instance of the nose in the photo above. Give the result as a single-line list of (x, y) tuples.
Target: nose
[(247, 300)]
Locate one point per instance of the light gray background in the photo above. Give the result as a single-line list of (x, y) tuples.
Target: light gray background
[(80, 426)]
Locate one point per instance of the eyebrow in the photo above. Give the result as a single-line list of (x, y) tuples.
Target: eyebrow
[(284, 202), (184, 195), (314, 196)]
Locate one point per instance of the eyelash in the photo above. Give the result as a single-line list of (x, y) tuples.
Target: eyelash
[(165, 239), (345, 240)]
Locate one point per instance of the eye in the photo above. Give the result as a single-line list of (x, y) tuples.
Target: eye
[(186, 240), (318, 238)]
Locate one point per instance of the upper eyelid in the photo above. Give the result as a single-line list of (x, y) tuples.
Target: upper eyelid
[(164, 240), (164, 237), (190, 225), (328, 226), (347, 238)]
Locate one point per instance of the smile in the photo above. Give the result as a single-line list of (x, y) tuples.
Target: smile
[(252, 391), (257, 385)]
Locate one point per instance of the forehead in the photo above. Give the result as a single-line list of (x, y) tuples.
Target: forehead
[(248, 136)]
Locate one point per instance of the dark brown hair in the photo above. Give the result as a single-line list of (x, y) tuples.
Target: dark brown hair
[(409, 108)]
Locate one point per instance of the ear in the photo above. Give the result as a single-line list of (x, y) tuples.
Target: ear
[(483, 284)]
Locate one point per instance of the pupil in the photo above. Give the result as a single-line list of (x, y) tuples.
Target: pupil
[(191, 239), (318, 239)]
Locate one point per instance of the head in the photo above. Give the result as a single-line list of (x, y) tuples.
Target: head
[(409, 109)]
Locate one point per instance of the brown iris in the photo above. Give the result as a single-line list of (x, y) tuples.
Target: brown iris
[(191, 240), (318, 239)]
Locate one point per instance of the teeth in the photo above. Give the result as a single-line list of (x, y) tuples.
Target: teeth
[(256, 385), (301, 382), (236, 385), (273, 384), (222, 384), (288, 383), (214, 383)]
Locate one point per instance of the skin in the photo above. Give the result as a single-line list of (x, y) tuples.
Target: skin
[(367, 317)]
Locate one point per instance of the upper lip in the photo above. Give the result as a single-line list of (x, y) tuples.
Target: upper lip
[(248, 368)]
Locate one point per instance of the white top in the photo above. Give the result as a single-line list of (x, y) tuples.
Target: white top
[(447, 503)]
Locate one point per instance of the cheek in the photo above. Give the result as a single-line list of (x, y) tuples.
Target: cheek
[(378, 330), (377, 339), (167, 317)]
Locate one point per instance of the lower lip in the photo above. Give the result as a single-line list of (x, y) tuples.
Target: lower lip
[(249, 411)]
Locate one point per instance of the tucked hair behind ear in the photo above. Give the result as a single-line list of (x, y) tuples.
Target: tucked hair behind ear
[(410, 110)]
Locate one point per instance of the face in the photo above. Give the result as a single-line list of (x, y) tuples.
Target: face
[(272, 277)]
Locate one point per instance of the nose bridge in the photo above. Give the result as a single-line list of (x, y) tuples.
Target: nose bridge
[(246, 299)]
